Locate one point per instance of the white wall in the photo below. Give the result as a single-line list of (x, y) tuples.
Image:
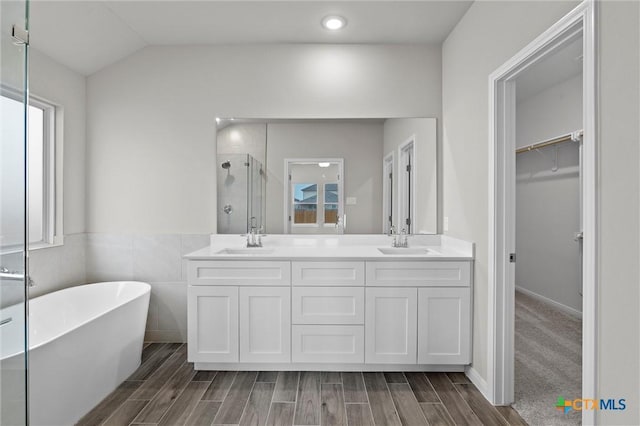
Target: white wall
[(243, 138), (547, 202), (619, 209), (490, 33), (359, 143), (424, 131), (151, 128), (66, 88)]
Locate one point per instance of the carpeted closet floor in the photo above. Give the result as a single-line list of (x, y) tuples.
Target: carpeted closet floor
[(548, 364)]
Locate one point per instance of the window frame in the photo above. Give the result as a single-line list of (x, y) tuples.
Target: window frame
[(289, 224), (52, 151), (325, 203)]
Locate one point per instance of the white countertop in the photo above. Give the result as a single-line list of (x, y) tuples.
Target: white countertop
[(333, 248)]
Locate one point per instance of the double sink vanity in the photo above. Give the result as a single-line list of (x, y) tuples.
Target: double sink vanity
[(340, 302)]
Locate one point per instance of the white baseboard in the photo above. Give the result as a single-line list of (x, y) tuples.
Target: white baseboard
[(478, 381), (564, 308)]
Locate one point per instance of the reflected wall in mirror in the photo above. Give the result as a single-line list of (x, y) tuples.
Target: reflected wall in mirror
[(375, 189), (241, 177)]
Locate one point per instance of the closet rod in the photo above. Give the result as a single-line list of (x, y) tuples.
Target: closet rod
[(574, 137)]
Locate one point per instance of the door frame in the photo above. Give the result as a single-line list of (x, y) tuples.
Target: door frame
[(501, 289), (405, 185), (388, 167), (288, 162)]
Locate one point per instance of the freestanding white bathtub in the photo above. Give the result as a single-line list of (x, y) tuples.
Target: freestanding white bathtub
[(83, 342)]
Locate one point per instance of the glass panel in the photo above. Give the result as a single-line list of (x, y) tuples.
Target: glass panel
[(13, 333), (331, 203), (36, 173), (256, 192), (233, 183), (305, 203)]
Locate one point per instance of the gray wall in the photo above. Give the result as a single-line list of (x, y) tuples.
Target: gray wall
[(151, 128), (547, 202), (359, 143)]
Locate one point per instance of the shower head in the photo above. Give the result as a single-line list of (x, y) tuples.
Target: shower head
[(226, 164)]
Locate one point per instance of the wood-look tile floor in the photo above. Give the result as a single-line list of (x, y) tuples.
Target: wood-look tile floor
[(166, 390)]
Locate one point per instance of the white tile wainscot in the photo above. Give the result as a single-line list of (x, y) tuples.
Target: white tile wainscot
[(330, 302)]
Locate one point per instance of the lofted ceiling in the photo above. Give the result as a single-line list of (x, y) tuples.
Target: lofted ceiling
[(89, 35)]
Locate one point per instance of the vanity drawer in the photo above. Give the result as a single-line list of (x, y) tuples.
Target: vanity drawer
[(328, 305), (419, 274), (327, 273), (238, 272), (328, 343)]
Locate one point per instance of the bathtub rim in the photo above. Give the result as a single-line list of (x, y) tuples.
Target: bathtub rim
[(146, 290)]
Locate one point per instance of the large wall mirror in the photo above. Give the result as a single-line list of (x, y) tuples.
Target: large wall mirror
[(327, 176)]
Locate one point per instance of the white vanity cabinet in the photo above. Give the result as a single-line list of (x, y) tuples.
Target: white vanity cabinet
[(391, 325), (328, 312), (212, 317), (418, 312), (444, 325), (265, 324), (364, 314), (239, 311)]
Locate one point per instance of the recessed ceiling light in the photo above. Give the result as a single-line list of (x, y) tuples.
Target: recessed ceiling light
[(334, 22), (324, 164)]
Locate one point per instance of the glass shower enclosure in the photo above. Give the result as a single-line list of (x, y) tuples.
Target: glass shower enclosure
[(13, 219), (241, 194)]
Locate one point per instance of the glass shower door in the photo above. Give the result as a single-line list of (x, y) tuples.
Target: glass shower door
[(13, 288)]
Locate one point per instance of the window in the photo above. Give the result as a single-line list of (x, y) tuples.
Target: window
[(43, 229), (313, 198), (330, 203), (45, 226), (305, 203)]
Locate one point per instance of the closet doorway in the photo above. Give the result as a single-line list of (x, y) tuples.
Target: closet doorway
[(548, 229), (503, 257)]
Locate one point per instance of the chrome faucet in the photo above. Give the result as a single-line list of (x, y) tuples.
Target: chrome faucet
[(254, 239), (392, 233), (6, 274), (401, 240)]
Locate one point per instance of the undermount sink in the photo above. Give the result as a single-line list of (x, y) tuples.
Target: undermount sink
[(248, 250), (403, 250)]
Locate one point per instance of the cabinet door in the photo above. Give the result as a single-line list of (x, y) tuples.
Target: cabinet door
[(212, 324), (390, 325), (265, 324), (444, 326)]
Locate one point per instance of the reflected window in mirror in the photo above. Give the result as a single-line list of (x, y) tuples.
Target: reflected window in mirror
[(305, 203), (315, 198)]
